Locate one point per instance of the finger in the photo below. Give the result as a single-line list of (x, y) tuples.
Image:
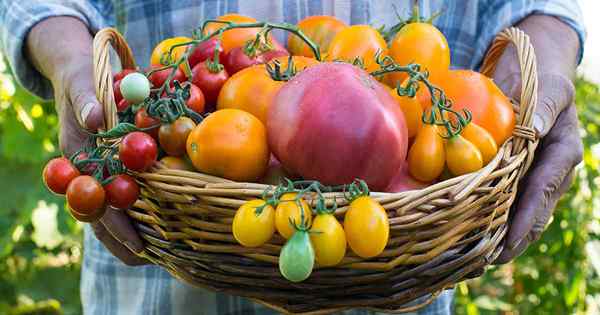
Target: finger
[(117, 249), (555, 93), (82, 96), (119, 226), (560, 152)]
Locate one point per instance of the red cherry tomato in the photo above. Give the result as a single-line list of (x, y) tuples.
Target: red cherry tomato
[(196, 100), (158, 78), (122, 191), (206, 50), (122, 105), (209, 82), (58, 173), (236, 60), (272, 54), (142, 120), (138, 151), (121, 74), (85, 195), (117, 91)]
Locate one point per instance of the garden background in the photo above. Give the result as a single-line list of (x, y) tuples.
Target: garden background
[(40, 244)]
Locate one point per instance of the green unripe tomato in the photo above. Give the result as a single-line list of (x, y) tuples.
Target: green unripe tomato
[(135, 88)]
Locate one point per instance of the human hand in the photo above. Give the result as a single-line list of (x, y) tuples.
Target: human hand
[(78, 109)]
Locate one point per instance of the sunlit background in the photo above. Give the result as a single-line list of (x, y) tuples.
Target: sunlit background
[(40, 245)]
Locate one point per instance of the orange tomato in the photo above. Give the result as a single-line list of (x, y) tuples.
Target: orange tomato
[(300, 62), (462, 156), (482, 139), (358, 41), (412, 110), (420, 43), (163, 49), (490, 108), (230, 143), (426, 156), (250, 90), (321, 29), (235, 37)]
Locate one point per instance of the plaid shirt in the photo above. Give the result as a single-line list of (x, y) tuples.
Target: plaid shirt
[(108, 286)]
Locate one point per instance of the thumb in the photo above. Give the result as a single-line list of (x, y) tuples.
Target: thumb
[(87, 109), (555, 93)]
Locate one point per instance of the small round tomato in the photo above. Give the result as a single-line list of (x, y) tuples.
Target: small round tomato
[(420, 43), (122, 191), (462, 156), (289, 209), (172, 137), (482, 139), (196, 101), (412, 110), (138, 151), (158, 78), (230, 143), (367, 227), (122, 105), (254, 223), (328, 239), (251, 90), (85, 195), (345, 45), (321, 29), (163, 48), (58, 173), (135, 88), (210, 79), (177, 163), (235, 37), (121, 74), (426, 156), (297, 257), (143, 120), (206, 51), (237, 60)]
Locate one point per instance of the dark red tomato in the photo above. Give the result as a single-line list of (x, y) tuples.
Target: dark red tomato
[(117, 91), (138, 151), (121, 74), (122, 105), (236, 60), (158, 78), (85, 195), (58, 173), (272, 54), (209, 82), (142, 120), (122, 191), (206, 50), (172, 137)]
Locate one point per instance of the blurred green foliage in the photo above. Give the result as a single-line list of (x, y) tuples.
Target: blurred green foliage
[(40, 245)]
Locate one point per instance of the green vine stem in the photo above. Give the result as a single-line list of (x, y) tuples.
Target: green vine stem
[(101, 158)]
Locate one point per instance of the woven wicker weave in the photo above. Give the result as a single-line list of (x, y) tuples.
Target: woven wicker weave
[(438, 234)]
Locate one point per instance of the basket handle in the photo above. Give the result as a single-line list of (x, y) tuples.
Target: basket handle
[(103, 79), (529, 79)]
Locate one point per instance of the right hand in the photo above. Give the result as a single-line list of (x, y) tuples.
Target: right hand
[(78, 109)]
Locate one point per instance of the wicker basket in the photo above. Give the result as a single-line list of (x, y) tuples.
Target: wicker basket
[(438, 234)]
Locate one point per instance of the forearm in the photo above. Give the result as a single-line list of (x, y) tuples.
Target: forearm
[(57, 43)]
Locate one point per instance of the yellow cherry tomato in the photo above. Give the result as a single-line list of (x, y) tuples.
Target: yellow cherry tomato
[(482, 139), (426, 156), (328, 239), (287, 209), (367, 227), (251, 226), (462, 156), (412, 110), (358, 41), (163, 49)]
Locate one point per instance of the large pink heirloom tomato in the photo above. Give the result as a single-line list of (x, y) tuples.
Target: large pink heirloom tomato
[(333, 122)]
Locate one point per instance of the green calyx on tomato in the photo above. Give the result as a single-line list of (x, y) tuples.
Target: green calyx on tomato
[(276, 72)]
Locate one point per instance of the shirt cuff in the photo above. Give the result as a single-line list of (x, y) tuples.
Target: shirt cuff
[(19, 17)]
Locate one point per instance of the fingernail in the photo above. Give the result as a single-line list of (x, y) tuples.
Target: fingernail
[(516, 244), (538, 124), (85, 112)]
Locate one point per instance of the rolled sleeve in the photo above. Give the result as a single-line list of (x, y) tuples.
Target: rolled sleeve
[(502, 14), (17, 17)]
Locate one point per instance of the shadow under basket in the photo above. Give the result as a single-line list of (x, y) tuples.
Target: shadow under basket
[(438, 235)]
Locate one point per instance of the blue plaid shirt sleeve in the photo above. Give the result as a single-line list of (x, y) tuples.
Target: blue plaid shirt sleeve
[(17, 17), (500, 14)]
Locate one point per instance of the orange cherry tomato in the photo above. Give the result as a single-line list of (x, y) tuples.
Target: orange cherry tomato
[(462, 156), (420, 43), (482, 139), (358, 41), (250, 90), (164, 47), (411, 108), (177, 163), (426, 156), (321, 29), (230, 143), (235, 37), (490, 108)]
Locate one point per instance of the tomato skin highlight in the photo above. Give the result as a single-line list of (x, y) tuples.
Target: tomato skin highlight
[(367, 227), (122, 192), (138, 151), (85, 195), (209, 83), (482, 139), (288, 209), (251, 229), (172, 137), (328, 239), (426, 156), (58, 173), (297, 257), (321, 29), (143, 120), (462, 156)]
